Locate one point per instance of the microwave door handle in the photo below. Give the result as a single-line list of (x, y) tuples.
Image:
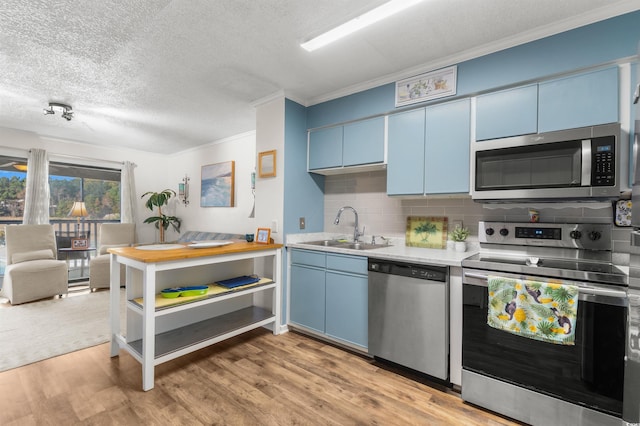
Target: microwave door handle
[(586, 163)]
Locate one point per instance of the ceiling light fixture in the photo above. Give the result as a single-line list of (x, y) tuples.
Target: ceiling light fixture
[(65, 110), (389, 8)]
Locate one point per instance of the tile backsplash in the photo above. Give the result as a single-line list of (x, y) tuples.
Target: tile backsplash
[(384, 215)]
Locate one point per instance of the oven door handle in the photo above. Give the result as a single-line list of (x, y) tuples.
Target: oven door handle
[(586, 290), (478, 276)]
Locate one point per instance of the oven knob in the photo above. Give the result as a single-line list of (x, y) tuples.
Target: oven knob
[(576, 235), (594, 235), (489, 231), (504, 232)]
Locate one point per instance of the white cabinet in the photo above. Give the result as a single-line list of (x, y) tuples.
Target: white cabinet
[(156, 334)]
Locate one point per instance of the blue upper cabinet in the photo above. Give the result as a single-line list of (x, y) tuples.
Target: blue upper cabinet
[(363, 142), (405, 153), (428, 150), (325, 148), (447, 148), (566, 103), (577, 101), (507, 113), (354, 144)]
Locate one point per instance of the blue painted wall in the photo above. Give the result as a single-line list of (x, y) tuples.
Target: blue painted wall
[(303, 192), (583, 47)]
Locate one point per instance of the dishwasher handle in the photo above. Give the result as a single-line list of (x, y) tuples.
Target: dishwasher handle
[(421, 272)]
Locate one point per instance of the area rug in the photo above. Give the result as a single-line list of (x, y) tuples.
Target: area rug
[(35, 331)]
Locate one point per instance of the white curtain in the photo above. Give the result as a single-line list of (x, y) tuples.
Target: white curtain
[(36, 203), (129, 202)]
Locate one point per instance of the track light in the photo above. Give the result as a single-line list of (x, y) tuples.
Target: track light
[(65, 110)]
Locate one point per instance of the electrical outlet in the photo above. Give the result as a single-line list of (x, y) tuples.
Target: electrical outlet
[(274, 226), (456, 224), (302, 224)]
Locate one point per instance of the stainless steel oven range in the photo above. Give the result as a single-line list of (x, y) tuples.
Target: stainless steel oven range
[(535, 381)]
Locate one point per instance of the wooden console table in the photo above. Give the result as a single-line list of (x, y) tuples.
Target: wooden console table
[(157, 334)]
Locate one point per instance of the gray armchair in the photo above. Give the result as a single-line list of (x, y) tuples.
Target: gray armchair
[(111, 235), (32, 271)]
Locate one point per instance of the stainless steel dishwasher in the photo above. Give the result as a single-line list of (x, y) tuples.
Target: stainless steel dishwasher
[(409, 315)]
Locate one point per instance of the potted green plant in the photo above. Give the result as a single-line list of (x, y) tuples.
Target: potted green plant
[(161, 221), (459, 235)]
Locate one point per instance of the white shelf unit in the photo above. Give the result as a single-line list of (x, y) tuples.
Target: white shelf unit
[(154, 336)]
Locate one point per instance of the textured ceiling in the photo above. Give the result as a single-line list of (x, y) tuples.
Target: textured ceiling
[(164, 76)]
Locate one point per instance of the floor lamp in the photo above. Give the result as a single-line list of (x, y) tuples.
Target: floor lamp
[(78, 210)]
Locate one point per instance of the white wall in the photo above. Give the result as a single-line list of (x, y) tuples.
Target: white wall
[(155, 172), (242, 150), (148, 173), (270, 190)]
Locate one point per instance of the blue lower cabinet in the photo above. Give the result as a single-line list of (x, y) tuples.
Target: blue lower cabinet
[(347, 308), (331, 300), (308, 297)]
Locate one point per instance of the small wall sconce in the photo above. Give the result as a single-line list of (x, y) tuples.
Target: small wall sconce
[(183, 190)]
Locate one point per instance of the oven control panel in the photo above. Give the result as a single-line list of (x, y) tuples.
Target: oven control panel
[(591, 236)]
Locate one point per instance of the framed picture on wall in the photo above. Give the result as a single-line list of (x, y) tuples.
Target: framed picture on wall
[(424, 87), (267, 164), (263, 236), (218, 185)]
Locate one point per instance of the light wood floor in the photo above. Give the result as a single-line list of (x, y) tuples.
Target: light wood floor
[(253, 379)]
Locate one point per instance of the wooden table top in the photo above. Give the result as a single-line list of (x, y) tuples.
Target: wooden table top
[(153, 256)]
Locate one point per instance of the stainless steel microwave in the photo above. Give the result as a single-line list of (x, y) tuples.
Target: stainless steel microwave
[(576, 164)]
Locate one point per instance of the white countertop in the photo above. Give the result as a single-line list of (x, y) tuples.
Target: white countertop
[(397, 250)]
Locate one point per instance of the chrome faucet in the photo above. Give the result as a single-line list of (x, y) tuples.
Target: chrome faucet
[(356, 231)]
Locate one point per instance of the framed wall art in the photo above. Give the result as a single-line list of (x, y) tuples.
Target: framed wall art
[(218, 186), (267, 164), (424, 87)]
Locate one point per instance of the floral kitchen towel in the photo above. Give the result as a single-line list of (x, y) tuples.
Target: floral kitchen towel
[(543, 311)]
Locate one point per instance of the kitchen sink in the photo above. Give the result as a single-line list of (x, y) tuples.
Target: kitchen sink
[(362, 246), (345, 245), (326, 243)]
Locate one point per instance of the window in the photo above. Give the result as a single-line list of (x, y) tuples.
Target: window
[(98, 187)]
